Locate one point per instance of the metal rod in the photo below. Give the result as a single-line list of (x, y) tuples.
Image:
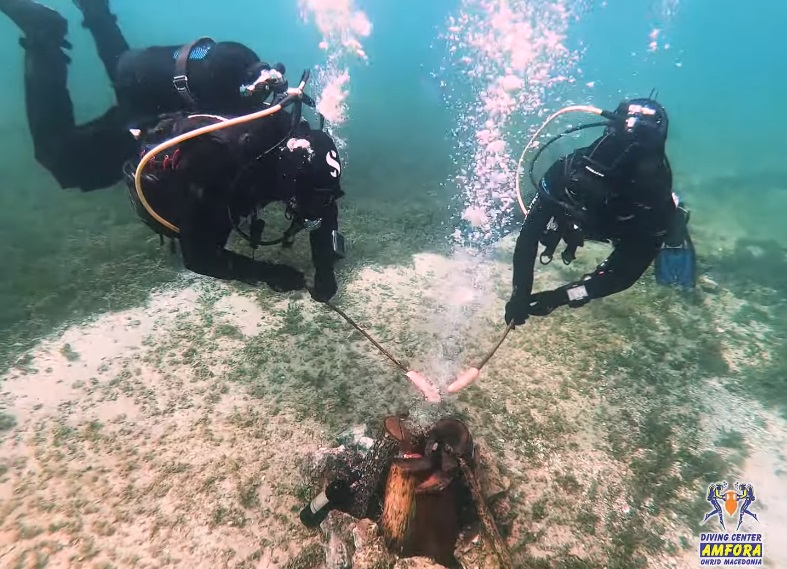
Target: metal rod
[(493, 350), (382, 350)]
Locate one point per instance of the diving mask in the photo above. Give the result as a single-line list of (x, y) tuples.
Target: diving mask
[(642, 121), (267, 81)]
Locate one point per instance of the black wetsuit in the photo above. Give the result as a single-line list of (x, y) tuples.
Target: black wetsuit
[(88, 156), (245, 166), (92, 156), (632, 211)]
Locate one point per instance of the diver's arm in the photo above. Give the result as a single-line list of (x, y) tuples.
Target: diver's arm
[(517, 308), (205, 166), (203, 255), (318, 186), (321, 239), (217, 262), (203, 234), (526, 248), (622, 268), (295, 180), (323, 254), (619, 271), (542, 209)]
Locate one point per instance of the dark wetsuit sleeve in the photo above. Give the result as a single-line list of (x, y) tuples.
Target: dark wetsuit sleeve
[(203, 235), (296, 178), (206, 225), (618, 272), (527, 243), (621, 269), (526, 250), (321, 239)]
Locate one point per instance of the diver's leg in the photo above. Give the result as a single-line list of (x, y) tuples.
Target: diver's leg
[(97, 152), (721, 515), (50, 113), (745, 510), (107, 36), (41, 26), (89, 156), (712, 513)]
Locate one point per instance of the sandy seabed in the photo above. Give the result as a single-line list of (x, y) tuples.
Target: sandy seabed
[(131, 450)]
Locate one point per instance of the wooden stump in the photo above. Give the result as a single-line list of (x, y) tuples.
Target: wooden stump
[(399, 507)]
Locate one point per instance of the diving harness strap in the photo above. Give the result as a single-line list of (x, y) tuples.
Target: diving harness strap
[(181, 79)]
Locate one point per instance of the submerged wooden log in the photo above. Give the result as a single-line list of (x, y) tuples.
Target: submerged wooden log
[(399, 507)]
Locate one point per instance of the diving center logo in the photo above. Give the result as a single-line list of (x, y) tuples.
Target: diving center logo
[(735, 548)]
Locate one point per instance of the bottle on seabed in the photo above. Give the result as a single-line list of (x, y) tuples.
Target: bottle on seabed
[(336, 494)]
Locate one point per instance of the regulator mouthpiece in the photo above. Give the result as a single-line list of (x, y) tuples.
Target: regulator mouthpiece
[(268, 79)]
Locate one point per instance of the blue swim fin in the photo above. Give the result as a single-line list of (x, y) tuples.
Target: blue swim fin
[(677, 266)]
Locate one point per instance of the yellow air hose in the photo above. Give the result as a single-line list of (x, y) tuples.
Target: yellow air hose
[(225, 123)]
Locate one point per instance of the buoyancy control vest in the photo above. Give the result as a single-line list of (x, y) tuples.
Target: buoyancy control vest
[(209, 163)]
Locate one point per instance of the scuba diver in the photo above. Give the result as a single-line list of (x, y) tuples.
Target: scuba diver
[(715, 498), (200, 135), (744, 494), (617, 190), (676, 263)]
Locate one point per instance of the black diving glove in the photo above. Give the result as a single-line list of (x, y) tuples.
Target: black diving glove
[(543, 303), (325, 287), (517, 309)]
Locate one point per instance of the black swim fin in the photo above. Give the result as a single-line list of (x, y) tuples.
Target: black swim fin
[(41, 25)]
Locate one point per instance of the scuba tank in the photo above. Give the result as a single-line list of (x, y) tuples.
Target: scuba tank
[(678, 231), (199, 76), (157, 168)]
